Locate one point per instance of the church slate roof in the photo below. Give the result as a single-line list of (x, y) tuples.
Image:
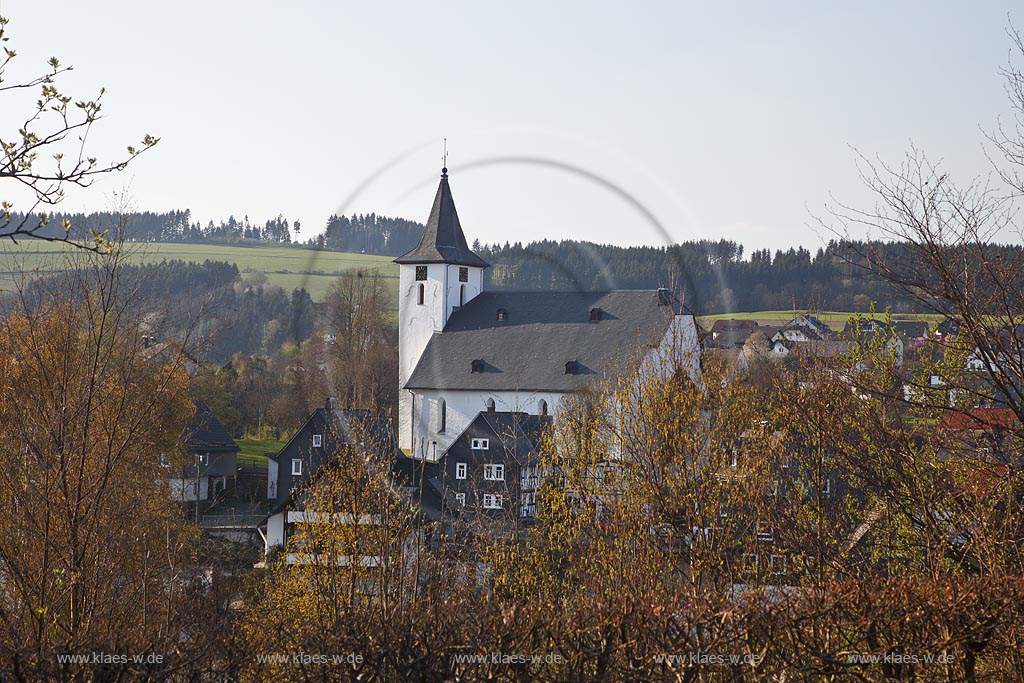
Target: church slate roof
[(442, 240), (541, 333)]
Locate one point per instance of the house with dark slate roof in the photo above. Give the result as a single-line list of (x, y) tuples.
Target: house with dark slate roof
[(491, 472), (313, 448), (463, 350), (212, 464)]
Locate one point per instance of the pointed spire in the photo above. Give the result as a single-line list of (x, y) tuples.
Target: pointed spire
[(443, 240)]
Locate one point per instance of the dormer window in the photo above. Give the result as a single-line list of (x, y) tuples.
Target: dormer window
[(502, 315), (542, 407), (595, 315), (477, 365), (572, 368)]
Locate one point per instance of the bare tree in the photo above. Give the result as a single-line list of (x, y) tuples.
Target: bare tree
[(49, 150)]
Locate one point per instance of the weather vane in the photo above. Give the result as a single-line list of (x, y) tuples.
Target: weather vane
[(444, 157)]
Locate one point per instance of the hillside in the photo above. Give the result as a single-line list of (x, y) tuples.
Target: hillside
[(288, 267)]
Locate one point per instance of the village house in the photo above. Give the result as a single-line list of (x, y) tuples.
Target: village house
[(315, 445), (492, 469), (211, 466)]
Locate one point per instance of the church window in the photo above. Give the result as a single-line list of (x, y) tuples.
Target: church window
[(542, 407), (463, 274), (442, 416), (420, 298), (490, 405), (479, 444), (462, 295), (460, 470), (502, 314), (421, 273)]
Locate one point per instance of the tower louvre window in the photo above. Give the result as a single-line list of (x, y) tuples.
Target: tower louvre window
[(421, 273), (463, 274)]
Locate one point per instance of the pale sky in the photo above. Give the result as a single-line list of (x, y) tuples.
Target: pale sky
[(727, 120)]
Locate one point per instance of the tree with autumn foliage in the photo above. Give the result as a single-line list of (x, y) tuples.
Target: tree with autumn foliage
[(94, 555)]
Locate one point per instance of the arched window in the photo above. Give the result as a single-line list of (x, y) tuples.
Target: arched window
[(490, 405), (462, 295), (542, 407), (421, 294), (442, 416)]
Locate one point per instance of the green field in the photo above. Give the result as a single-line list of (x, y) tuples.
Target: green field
[(252, 456), (258, 448), (288, 267)]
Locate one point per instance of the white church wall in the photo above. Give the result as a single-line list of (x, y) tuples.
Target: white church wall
[(419, 322), (460, 409), (473, 286), (679, 349)]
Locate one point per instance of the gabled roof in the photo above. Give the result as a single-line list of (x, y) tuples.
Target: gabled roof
[(979, 419), (442, 240), (540, 333), (206, 434), (519, 433), (912, 329), (732, 324)]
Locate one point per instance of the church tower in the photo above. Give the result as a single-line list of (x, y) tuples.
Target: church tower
[(435, 279)]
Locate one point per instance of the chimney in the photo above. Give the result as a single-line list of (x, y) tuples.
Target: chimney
[(664, 298)]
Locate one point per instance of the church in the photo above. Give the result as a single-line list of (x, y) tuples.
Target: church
[(464, 350)]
